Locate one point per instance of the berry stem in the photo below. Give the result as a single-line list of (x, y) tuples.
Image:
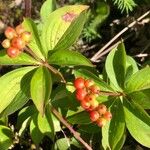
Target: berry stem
[(75, 134), (28, 50), (110, 93), (44, 63)]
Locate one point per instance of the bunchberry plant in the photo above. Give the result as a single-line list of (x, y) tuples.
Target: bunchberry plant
[(51, 82)]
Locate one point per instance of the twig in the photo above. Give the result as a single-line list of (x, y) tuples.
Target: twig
[(96, 56), (111, 47), (75, 134), (28, 5)]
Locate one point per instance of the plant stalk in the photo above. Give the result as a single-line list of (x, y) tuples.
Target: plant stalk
[(75, 134), (96, 56), (28, 5)]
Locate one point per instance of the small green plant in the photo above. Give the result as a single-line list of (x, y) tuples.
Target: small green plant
[(64, 84)]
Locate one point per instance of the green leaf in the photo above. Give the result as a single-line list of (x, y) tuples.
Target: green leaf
[(6, 136), (10, 85), (141, 97), (24, 114), (22, 59), (24, 126), (79, 118), (45, 123), (139, 81), (115, 66), (113, 132), (89, 75), (68, 58), (137, 122), (41, 85), (62, 144), (22, 96), (131, 67), (63, 26), (35, 43), (89, 128), (35, 133), (47, 7)]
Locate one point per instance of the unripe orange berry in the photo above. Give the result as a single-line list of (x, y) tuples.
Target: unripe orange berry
[(26, 36), (13, 52), (85, 105), (90, 97), (10, 33), (93, 105), (94, 89), (20, 29), (79, 83), (6, 43), (101, 109), (80, 94), (101, 122), (88, 83), (94, 115), (18, 43), (107, 115)]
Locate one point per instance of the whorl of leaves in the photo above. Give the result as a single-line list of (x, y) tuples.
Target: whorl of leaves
[(125, 5)]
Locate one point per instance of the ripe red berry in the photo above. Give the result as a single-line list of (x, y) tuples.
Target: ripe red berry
[(85, 105), (107, 115), (90, 97), (10, 33), (20, 29), (80, 94), (13, 52), (18, 43), (26, 36), (101, 109), (88, 83), (101, 122), (94, 89), (94, 115), (79, 83), (6, 43)]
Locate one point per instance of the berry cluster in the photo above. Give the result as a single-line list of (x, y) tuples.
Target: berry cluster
[(16, 40), (86, 93)]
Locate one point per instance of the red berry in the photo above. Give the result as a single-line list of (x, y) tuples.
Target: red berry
[(88, 83), (79, 83), (80, 94), (85, 105), (18, 43), (20, 29), (26, 36), (6, 43), (10, 33), (94, 89), (13, 52), (101, 109), (101, 122), (90, 97), (107, 115), (94, 115), (93, 105)]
